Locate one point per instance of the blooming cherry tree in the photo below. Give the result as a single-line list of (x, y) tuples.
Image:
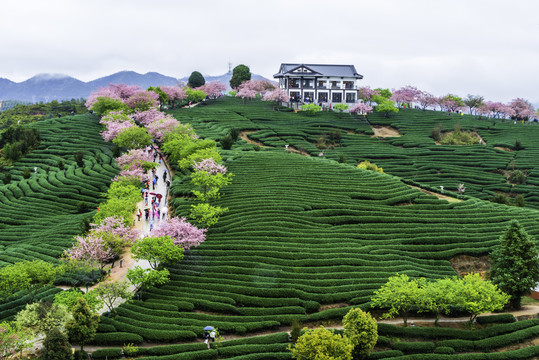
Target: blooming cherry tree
[(405, 95), (182, 233), (114, 225), (133, 155), (175, 93), (91, 248), (426, 100), (115, 128), (277, 95), (522, 108), (366, 93), (210, 166), (213, 89), (160, 128), (143, 100), (361, 109)]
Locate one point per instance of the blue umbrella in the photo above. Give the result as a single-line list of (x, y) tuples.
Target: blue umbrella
[(208, 328)]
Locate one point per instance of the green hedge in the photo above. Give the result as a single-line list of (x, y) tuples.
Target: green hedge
[(111, 353)]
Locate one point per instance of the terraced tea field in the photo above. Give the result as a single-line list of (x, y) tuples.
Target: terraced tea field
[(39, 216), (305, 238), (414, 156)]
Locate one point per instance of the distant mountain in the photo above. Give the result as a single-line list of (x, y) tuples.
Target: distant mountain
[(48, 87)]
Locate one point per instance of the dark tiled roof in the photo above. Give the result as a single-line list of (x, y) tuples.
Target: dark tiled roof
[(321, 69)]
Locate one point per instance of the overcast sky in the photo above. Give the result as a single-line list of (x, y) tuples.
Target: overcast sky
[(484, 47)]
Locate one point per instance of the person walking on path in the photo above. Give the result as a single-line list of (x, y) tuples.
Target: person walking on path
[(139, 214), (164, 212), (153, 183), (151, 225), (165, 175)]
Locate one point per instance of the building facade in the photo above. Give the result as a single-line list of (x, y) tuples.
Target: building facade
[(321, 84)]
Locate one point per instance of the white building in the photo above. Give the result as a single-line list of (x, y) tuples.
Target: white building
[(317, 83)]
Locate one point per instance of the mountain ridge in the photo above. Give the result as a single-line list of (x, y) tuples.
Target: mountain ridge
[(47, 87)]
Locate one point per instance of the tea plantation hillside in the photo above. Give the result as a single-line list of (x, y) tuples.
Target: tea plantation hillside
[(40, 215), (414, 156), (305, 237)]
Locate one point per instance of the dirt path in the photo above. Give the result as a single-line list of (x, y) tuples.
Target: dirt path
[(297, 151), (439, 196), (244, 135), (385, 131)]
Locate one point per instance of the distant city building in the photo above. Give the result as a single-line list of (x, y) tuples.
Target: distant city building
[(320, 83)]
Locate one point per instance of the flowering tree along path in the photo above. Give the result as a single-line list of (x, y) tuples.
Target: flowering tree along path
[(118, 273)]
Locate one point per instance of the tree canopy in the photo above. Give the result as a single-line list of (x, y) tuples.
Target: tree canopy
[(515, 264), (240, 74), (322, 343), (195, 80)]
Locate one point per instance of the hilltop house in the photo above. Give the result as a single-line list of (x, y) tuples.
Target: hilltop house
[(319, 83)]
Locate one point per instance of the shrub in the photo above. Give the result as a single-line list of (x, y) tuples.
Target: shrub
[(367, 165), (444, 350), (310, 109), (414, 347), (27, 173), (227, 142), (519, 201), (295, 330), (518, 145), (384, 354), (117, 338), (111, 353), (517, 177), (79, 158), (499, 318)]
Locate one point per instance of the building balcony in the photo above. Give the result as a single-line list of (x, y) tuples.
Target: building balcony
[(294, 86), (308, 87)]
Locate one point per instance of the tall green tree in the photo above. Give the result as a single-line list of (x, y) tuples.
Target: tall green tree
[(240, 74), (515, 264), (399, 294), (195, 80), (321, 344), (479, 296), (112, 292), (56, 346), (362, 330), (40, 318), (158, 251), (82, 327), (133, 138)]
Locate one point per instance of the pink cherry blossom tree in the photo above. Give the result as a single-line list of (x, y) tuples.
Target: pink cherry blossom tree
[(278, 95), (91, 248), (522, 109), (213, 89), (209, 166), (182, 233), (160, 128), (114, 128), (175, 93), (124, 91), (426, 100), (247, 90), (148, 116), (366, 93), (132, 156), (114, 225), (361, 109), (143, 100), (101, 93), (405, 95)]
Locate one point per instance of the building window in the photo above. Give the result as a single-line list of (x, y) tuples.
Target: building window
[(348, 84), (336, 97), (294, 96), (307, 84), (321, 84), (322, 97), (308, 96), (350, 97), (294, 83), (335, 85)]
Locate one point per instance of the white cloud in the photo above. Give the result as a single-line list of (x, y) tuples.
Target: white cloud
[(459, 46)]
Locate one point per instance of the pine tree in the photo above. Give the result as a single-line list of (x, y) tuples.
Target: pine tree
[(515, 264), (56, 346), (82, 328)]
